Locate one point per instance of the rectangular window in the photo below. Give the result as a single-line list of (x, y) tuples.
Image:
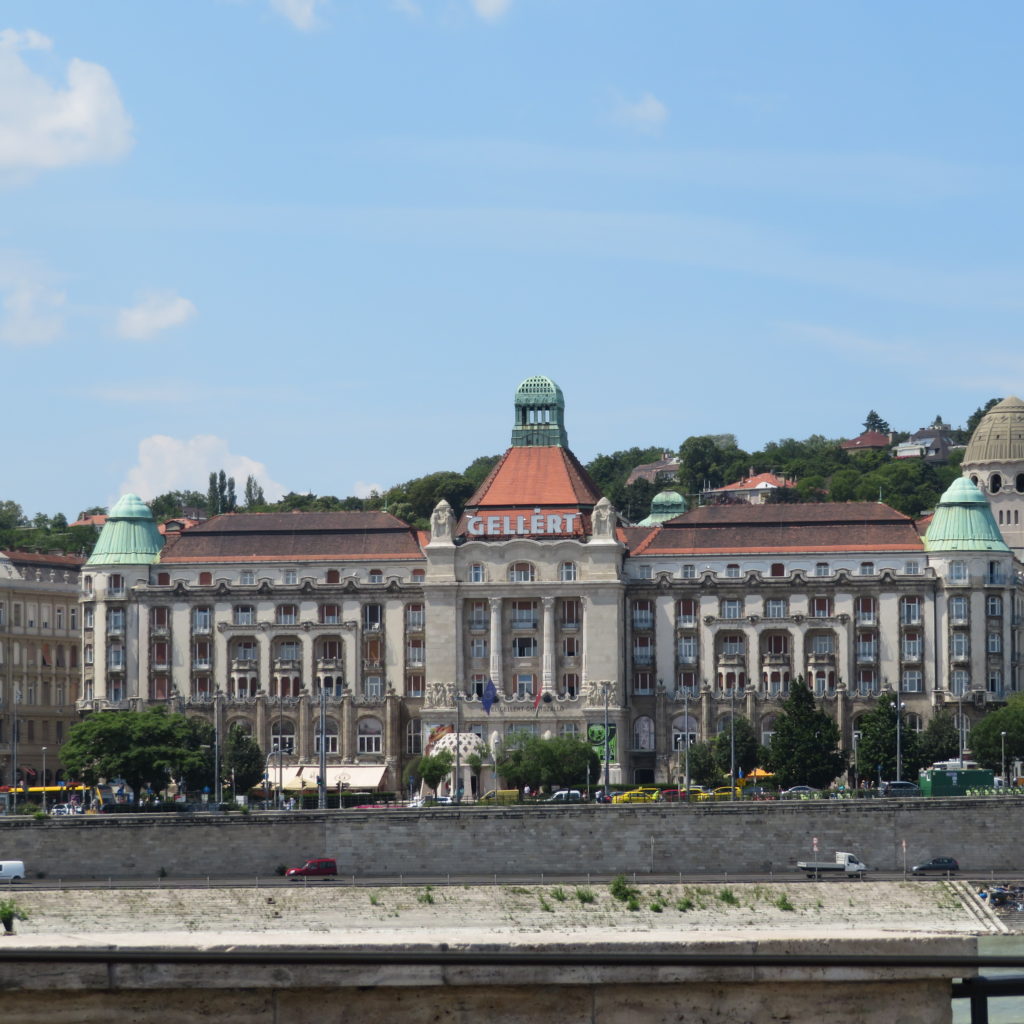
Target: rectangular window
[(414, 618), (476, 573), (821, 569), (960, 681), (571, 613), (733, 645), (331, 743), (201, 653), (993, 605), (867, 568), (373, 687), (821, 607), (959, 645), (247, 578), (686, 612), (479, 615), (995, 643), (689, 572), (287, 615), (571, 684), (823, 645), (160, 649), (245, 615), (643, 683), (73, 624), (643, 614), (644, 572), (570, 647), (288, 650), (910, 611), (865, 611), (201, 618), (776, 608), (414, 685), (912, 680), (330, 614), (995, 680), (732, 571), (524, 615), (415, 653), (60, 618), (643, 651), (688, 649), (115, 620), (958, 572), (911, 647), (524, 685), (912, 568), (731, 608), (567, 572), (373, 616), (115, 657), (158, 617), (478, 647), (16, 609), (291, 577), (958, 610), (777, 644), (524, 647), (245, 650)]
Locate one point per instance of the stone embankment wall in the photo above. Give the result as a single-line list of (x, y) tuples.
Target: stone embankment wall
[(982, 834)]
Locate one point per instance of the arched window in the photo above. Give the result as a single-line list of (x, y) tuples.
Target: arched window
[(243, 725), (369, 736), (567, 572), (414, 736), (282, 736), (643, 733), (995, 483), (376, 576), (767, 729), (913, 721), (476, 573), (418, 575), (521, 572), (333, 576), (205, 579), (684, 730)]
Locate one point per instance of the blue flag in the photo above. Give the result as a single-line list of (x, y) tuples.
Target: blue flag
[(489, 697)]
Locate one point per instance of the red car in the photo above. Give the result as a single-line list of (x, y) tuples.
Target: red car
[(316, 867)]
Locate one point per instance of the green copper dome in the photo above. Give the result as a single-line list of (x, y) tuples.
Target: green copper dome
[(963, 521), (540, 415), (664, 506), (129, 536)]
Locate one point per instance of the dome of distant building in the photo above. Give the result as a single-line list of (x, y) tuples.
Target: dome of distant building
[(994, 462), (963, 521), (664, 506), (129, 536)]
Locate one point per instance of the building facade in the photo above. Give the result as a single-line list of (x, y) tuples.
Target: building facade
[(538, 610), (40, 640)]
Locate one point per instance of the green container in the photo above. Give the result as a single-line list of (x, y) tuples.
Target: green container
[(954, 781)]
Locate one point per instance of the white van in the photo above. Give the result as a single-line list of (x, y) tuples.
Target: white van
[(11, 870)]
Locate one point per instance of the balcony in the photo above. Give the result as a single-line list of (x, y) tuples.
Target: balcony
[(286, 664), (688, 657), (911, 652), (479, 625), (415, 656), (571, 625), (524, 622), (686, 622), (866, 619), (161, 629), (161, 663), (643, 620), (243, 664), (821, 658), (775, 660), (371, 627), (732, 660), (643, 656), (329, 664), (866, 652), (414, 623), (202, 662), (201, 627), (373, 665)]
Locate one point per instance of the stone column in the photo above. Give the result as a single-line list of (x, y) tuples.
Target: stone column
[(496, 649), (547, 641)]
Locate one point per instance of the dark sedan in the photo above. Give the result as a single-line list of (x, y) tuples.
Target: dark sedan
[(942, 865)]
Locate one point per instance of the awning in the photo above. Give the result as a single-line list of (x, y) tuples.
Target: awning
[(351, 776)]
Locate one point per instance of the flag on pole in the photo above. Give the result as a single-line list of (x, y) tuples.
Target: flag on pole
[(489, 697), (536, 699)]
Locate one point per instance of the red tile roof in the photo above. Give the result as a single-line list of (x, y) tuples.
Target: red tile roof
[(295, 536), (749, 483), (869, 439), (44, 559), (550, 477), (828, 526)]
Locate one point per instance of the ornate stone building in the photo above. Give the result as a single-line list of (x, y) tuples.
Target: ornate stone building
[(39, 662), (538, 610)]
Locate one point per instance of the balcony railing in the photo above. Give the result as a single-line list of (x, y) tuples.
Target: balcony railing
[(643, 620), (911, 652), (524, 622), (243, 664), (775, 659), (686, 621), (329, 664), (867, 652), (643, 656)]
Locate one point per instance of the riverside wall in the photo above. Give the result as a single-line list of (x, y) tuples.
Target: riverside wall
[(983, 834)]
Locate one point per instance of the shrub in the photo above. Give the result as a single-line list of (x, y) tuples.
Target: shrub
[(622, 890), (585, 895)]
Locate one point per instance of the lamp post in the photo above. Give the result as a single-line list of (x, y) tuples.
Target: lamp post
[(607, 690), (44, 777), (899, 733), (856, 760), (458, 743), (960, 723), (321, 786), (1002, 753), (732, 742), (13, 780), (686, 740), (217, 792)]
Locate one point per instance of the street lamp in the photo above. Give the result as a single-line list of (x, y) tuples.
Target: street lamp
[(606, 685), (732, 742), (44, 777), (899, 733), (458, 744), (1002, 752)]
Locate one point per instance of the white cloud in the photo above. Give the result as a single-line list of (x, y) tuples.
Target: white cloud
[(362, 489), (169, 464), (491, 10), (156, 312), (30, 307), (646, 114), (301, 13), (43, 125), (407, 7)]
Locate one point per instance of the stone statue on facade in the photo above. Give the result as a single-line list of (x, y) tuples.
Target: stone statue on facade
[(603, 519), (442, 522)]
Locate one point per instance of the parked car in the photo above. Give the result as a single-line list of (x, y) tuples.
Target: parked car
[(941, 865), (722, 793), (315, 867), (641, 795), (681, 795), (899, 789), (64, 810), (565, 796), (799, 792)]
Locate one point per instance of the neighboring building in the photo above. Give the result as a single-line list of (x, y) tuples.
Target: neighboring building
[(933, 444), (869, 441), (39, 662), (665, 505), (756, 489), (537, 612), (664, 471), (994, 461)]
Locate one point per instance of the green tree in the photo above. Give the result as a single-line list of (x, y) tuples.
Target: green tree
[(253, 492), (710, 460), (476, 472), (875, 422), (244, 758), (704, 770), (173, 504), (563, 761), (804, 748), (142, 747), (940, 741), (876, 751), (975, 418), (747, 748), (435, 767), (987, 742)]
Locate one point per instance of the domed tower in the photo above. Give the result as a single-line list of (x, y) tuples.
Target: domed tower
[(540, 415), (665, 505), (128, 545), (994, 462)]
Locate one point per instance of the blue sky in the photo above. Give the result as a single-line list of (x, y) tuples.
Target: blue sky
[(322, 241)]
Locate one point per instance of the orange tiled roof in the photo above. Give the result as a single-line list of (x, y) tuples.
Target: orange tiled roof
[(527, 477), (869, 439), (749, 483)]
